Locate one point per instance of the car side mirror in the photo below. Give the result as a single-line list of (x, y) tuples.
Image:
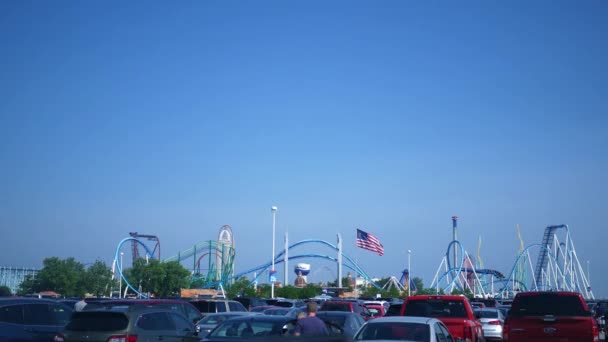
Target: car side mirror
[(477, 314)]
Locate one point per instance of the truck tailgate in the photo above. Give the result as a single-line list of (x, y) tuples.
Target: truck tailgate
[(562, 329)]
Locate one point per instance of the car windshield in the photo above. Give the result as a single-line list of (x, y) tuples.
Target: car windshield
[(98, 321), (336, 307), (215, 319), (487, 313), (541, 305), (396, 331), (436, 308), (245, 329)]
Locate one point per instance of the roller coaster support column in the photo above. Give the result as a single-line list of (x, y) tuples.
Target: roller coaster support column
[(454, 237), (274, 214), (286, 263), (339, 260)]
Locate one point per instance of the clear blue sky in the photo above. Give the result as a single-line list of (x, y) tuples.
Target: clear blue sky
[(174, 119)]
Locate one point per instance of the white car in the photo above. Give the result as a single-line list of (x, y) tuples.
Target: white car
[(404, 328), (492, 322)]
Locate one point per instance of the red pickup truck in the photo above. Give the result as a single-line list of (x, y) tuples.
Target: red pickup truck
[(550, 316), (454, 311)]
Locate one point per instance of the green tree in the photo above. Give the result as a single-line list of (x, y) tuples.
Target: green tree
[(5, 291), (65, 277), (146, 275), (175, 279), (240, 287), (158, 278), (98, 279), (27, 285)]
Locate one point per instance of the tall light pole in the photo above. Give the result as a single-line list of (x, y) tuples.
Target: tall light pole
[(274, 215), (120, 280), (409, 272)]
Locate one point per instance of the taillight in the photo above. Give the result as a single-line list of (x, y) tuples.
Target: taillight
[(505, 331), (468, 333), (494, 322), (123, 338), (59, 338), (596, 332)]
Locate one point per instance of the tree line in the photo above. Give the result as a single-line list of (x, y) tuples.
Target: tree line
[(71, 278)]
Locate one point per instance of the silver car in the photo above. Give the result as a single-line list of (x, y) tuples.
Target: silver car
[(404, 328), (492, 321)]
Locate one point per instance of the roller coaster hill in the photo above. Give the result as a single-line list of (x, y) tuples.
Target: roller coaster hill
[(552, 264)]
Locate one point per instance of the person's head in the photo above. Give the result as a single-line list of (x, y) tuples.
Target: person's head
[(311, 308)]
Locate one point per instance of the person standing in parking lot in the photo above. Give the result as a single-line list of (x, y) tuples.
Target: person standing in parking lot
[(80, 304), (311, 325)]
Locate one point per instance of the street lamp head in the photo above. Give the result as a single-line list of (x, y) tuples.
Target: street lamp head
[(122, 253), (409, 251), (274, 208)]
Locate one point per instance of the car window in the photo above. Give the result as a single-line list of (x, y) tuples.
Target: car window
[(205, 306), (181, 323), (97, 321), (439, 334), (12, 314), (192, 314), (155, 321), (221, 306), (61, 315), (236, 306), (38, 314), (488, 314), (446, 332)]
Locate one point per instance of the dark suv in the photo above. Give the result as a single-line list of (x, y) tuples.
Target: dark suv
[(348, 306), (207, 306), (183, 307), (129, 324), (32, 319)]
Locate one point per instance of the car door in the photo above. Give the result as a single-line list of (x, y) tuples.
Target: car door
[(42, 321), (11, 323)]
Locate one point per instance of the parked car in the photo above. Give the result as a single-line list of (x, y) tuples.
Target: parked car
[(183, 307), (349, 322), (550, 316), (454, 311), (419, 329), (207, 306), (246, 327), (127, 324), (250, 303), (210, 321), (377, 310), (286, 303), (262, 308), (279, 311), (492, 321), (32, 319), (478, 305), (261, 327), (347, 306)]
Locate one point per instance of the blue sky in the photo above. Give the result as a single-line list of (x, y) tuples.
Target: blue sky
[(174, 119)]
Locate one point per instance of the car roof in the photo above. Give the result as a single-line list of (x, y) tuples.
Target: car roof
[(444, 297), (28, 300), (336, 313), (262, 318), (403, 319)]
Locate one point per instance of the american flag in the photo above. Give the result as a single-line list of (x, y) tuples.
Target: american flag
[(369, 242)]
